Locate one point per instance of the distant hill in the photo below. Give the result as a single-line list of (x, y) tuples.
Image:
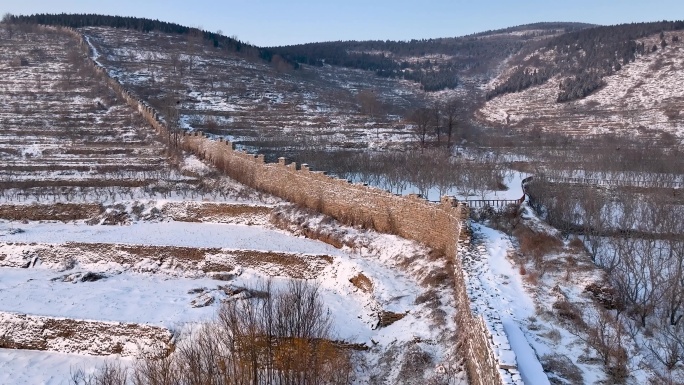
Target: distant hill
[(641, 95), (548, 27), (435, 63), (138, 24), (582, 58)]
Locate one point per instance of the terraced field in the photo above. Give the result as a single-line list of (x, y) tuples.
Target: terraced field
[(64, 134), (253, 102), (112, 247)]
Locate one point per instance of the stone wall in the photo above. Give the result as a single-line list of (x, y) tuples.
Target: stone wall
[(65, 335), (440, 226), (436, 225)]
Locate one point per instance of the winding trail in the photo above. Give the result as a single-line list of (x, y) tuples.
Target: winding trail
[(497, 294)]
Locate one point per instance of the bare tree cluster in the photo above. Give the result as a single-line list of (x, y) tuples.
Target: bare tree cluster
[(637, 239), (441, 121), (279, 337), (428, 170)]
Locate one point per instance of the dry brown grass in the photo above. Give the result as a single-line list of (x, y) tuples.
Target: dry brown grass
[(325, 237), (208, 260), (563, 367), (569, 312), (183, 212), (532, 278), (536, 244), (535, 247), (362, 282), (50, 212), (576, 244), (605, 295), (440, 278)]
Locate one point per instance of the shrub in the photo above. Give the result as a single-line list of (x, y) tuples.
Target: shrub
[(561, 366), (576, 244), (568, 311), (537, 244), (284, 337), (362, 282)]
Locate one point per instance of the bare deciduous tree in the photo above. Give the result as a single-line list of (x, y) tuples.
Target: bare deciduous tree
[(8, 25), (452, 112), (370, 104), (175, 59), (422, 120), (279, 337)]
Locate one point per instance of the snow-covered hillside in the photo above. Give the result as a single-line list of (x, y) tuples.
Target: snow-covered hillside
[(251, 101), (643, 98)]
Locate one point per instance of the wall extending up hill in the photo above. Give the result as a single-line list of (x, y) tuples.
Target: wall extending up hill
[(440, 226)]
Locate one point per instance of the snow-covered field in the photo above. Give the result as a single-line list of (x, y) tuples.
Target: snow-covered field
[(122, 294), (46, 368), (165, 233)]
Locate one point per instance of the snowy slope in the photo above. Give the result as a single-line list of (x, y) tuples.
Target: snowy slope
[(644, 95)]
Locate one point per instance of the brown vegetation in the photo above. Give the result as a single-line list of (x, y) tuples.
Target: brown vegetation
[(283, 337), (362, 282), (50, 212)]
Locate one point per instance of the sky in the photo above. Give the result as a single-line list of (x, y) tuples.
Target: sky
[(282, 22)]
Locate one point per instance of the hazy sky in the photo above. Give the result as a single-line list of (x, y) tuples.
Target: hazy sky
[(278, 22)]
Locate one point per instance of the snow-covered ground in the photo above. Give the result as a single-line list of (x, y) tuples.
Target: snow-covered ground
[(518, 302), (121, 297), (124, 295), (47, 368), (184, 234)]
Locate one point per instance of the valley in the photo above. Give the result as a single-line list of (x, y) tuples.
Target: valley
[(162, 190)]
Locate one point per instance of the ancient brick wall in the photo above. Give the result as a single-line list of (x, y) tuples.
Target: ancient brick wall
[(436, 225), (440, 226)]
